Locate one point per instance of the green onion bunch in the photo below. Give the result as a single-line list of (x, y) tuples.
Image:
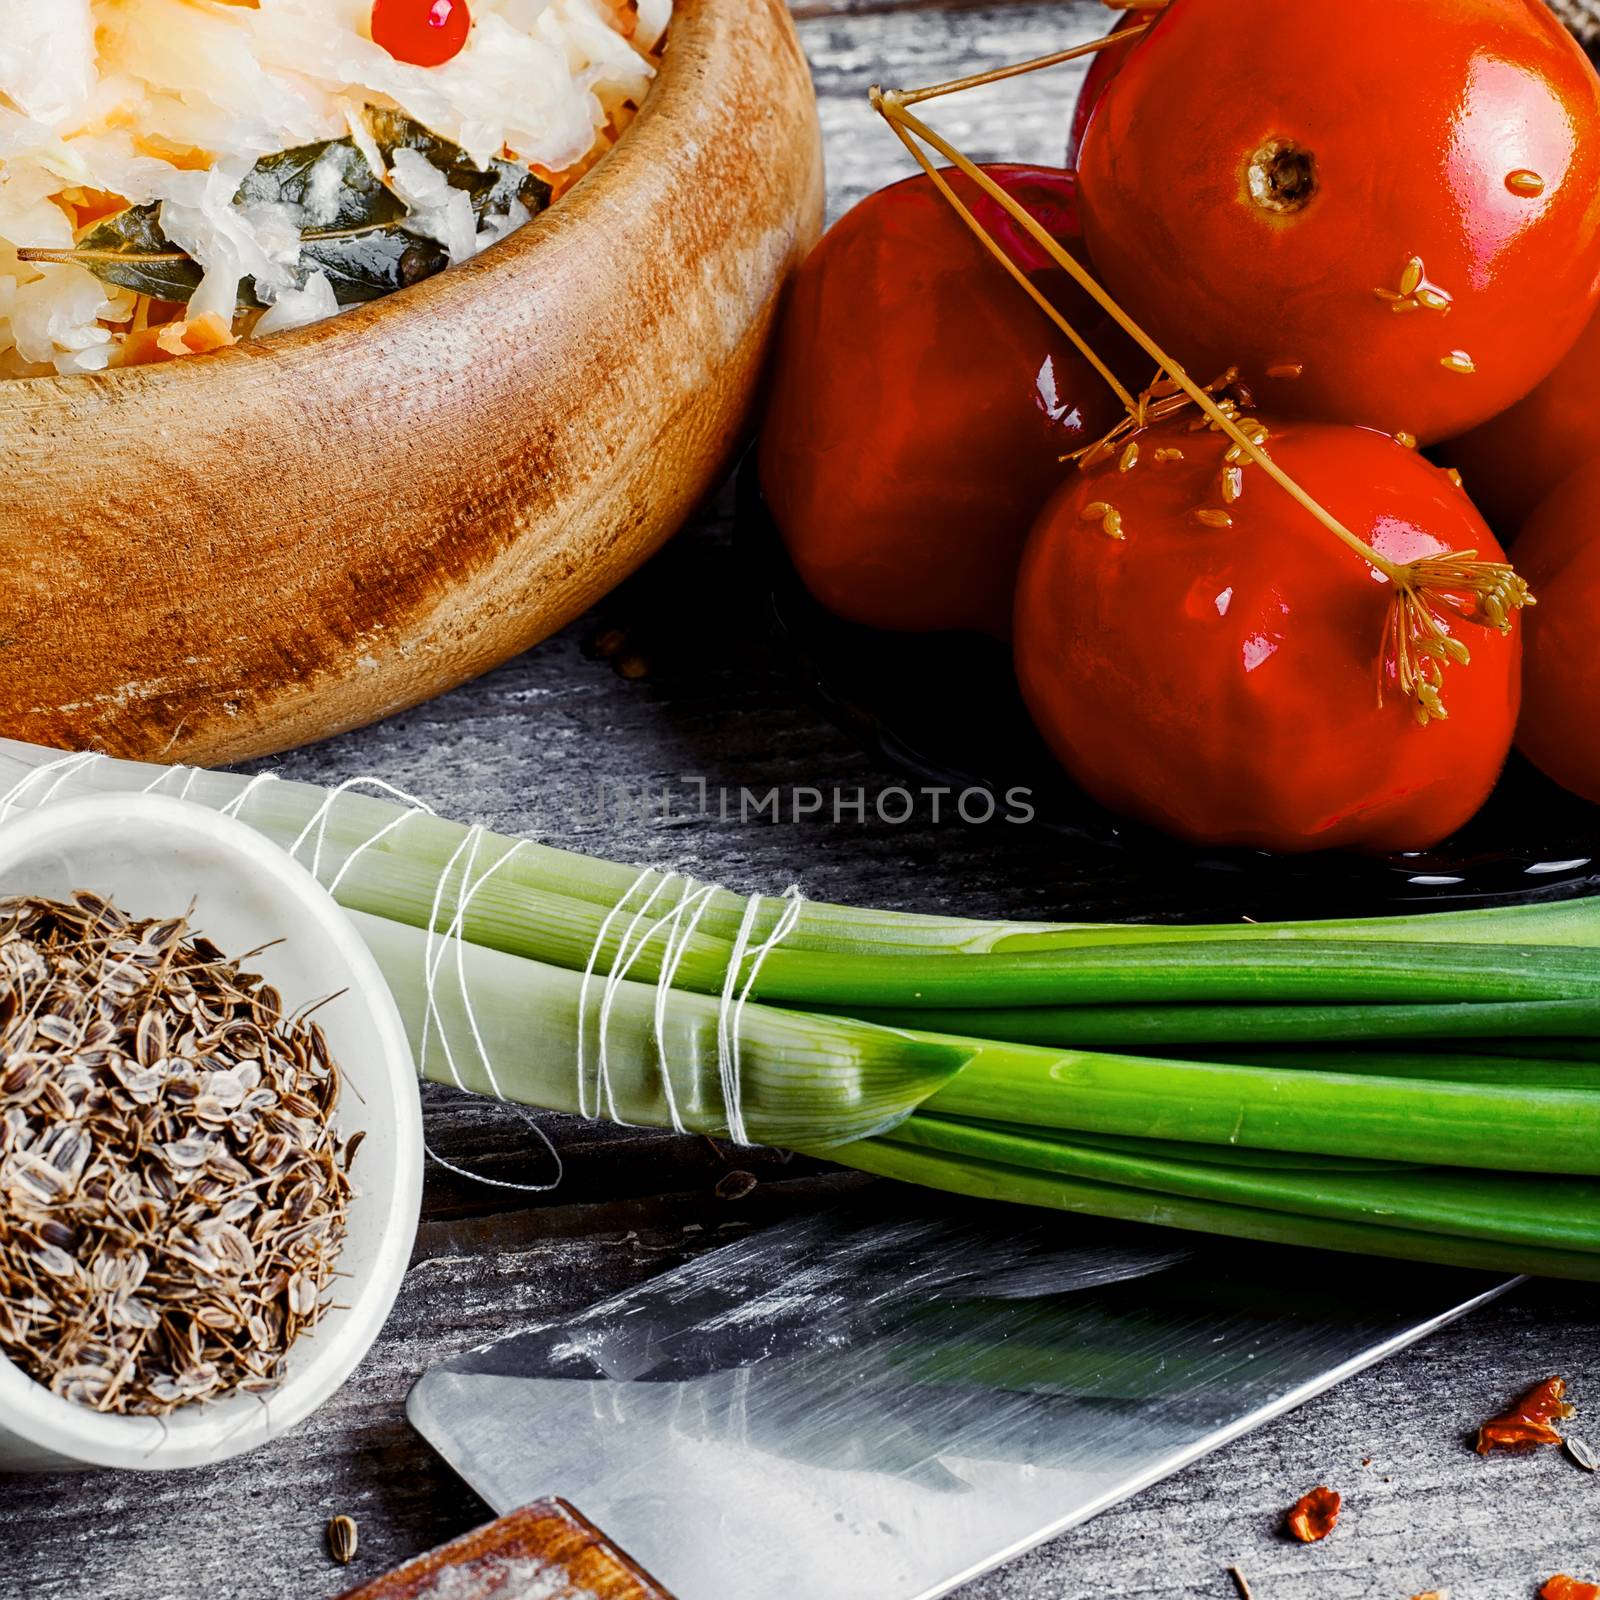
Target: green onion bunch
[(1422, 1087)]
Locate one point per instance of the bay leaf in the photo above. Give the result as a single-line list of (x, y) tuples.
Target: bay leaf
[(352, 225), (130, 251), (370, 263), (330, 187), (493, 189)]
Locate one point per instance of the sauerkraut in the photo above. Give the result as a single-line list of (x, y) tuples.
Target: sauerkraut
[(110, 106)]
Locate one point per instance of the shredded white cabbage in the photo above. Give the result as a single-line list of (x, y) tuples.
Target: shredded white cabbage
[(296, 308), (171, 102), (47, 57), (437, 210)]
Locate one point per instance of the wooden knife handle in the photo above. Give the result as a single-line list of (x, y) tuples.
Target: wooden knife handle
[(520, 1555)]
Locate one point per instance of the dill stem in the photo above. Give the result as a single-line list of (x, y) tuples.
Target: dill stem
[(978, 80), (892, 105)]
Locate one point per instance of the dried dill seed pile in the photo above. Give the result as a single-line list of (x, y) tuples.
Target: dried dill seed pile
[(172, 1190)]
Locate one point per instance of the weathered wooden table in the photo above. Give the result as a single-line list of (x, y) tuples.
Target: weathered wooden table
[(562, 744)]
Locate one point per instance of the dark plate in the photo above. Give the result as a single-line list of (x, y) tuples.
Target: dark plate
[(945, 709)]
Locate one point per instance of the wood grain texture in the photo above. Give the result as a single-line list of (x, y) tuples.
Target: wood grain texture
[(1425, 1511), (224, 556), (549, 1548), (530, 747)]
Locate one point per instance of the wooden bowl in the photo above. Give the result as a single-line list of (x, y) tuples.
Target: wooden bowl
[(231, 554)]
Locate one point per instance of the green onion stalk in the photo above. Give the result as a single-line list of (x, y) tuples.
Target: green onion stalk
[(550, 903), (1423, 1087)]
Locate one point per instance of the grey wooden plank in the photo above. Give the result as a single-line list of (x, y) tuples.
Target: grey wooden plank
[(526, 748), (1422, 1511), (1022, 119)]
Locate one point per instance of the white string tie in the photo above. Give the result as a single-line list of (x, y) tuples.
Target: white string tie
[(320, 818), (64, 768), (436, 948), (588, 978), (242, 799), (694, 904), (732, 1009), (629, 947), (190, 775), (437, 945), (678, 926)]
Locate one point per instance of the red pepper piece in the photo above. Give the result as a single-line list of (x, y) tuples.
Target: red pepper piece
[(1312, 1517), (1530, 1422), (1561, 1587)]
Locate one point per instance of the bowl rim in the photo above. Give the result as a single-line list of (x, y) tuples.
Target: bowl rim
[(198, 1434)]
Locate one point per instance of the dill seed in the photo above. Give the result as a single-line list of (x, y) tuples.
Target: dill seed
[(1255, 432), (1094, 511), (1453, 476), (1112, 523), (1169, 453), (1232, 484), (343, 1539), (171, 1199), (1522, 181), (1210, 517), (1426, 591), (1458, 361), (1409, 440), (736, 1185), (1130, 457), (1286, 369), (1416, 293), (1582, 1453)]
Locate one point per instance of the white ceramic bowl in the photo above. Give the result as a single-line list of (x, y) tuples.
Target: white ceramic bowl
[(152, 856)]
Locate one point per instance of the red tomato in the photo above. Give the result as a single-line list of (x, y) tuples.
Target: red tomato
[(1103, 67), (1513, 461), (1383, 214), (1218, 675), (921, 404), (425, 33), (1559, 554)]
